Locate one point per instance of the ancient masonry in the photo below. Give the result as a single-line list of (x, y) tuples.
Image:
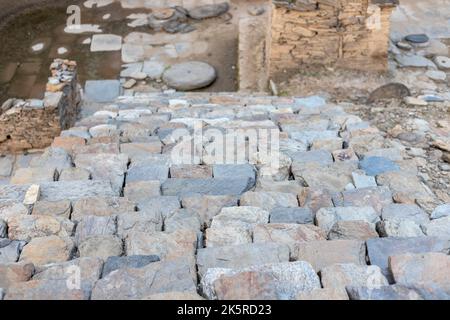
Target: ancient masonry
[(348, 33), (33, 123)]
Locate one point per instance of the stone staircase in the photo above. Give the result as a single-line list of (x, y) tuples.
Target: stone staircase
[(107, 211)]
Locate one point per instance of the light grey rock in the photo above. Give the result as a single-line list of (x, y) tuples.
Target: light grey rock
[(243, 216), (101, 246), (95, 226), (208, 11), (166, 245), (228, 235), (398, 227), (26, 227), (154, 69), (189, 75), (102, 90), (352, 230), (323, 253), (441, 211), (291, 215), (185, 187), (376, 197), (10, 250), (442, 62), (52, 158), (363, 181), (393, 292), (207, 206), (44, 290), (6, 165), (145, 172), (327, 217), (137, 283), (380, 249), (409, 212), (116, 263), (101, 206), (162, 205), (339, 276), (241, 256), (106, 42), (141, 191), (73, 190), (53, 208), (268, 200), (74, 174), (88, 269), (414, 61), (235, 171), (182, 219), (142, 221), (319, 157), (286, 278), (2, 293), (438, 227), (104, 166)]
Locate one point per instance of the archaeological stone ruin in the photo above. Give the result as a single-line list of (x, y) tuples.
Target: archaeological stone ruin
[(225, 150)]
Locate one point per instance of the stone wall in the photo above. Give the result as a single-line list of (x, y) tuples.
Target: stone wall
[(33, 123), (347, 33)]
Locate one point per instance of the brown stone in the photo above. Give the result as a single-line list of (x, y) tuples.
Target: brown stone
[(352, 230), (15, 272), (46, 250)]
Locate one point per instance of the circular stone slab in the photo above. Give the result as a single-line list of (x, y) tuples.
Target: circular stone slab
[(189, 75), (417, 38)]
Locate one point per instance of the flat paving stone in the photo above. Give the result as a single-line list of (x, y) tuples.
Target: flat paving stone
[(106, 42), (102, 90)]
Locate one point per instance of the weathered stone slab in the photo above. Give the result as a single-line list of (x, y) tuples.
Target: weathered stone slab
[(88, 269), (268, 200), (327, 217), (10, 250), (278, 281), (167, 246), (207, 206), (74, 174), (161, 205), (428, 270), (324, 253), (44, 290), (228, 236), (53, 208), (243, 216), (352, 230), (101, 206), (241, 256), (142, 191), (26, 227), (101, 246), (393, 292), (142, 172), (102, 90), (116, 263), (106, 42), (94, 226), (15, 272), (137, 283), (379, 250), (235, 171), (142, 221), (44, 250), (438, 227), (73, 190), (33, 175), (409, 212), (291, 215), (191, 171), (287, 233), (186, 187), (182, 219), (376, 197), (339, 276)]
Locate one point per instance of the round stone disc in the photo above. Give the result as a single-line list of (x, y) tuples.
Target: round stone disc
[(189, 75)]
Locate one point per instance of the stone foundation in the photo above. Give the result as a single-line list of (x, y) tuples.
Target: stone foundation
[(33, 123), (349, 33)]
